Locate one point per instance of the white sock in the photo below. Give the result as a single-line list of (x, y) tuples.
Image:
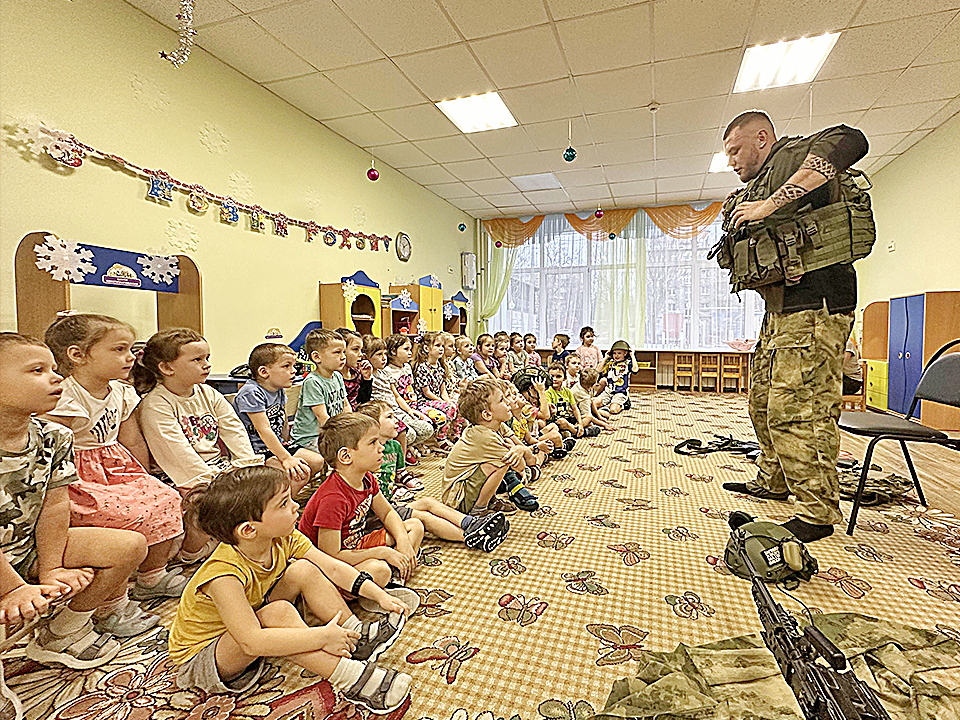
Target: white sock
[(352, 623), (150, 578), (348, 672), (68, 621), (111, 606)]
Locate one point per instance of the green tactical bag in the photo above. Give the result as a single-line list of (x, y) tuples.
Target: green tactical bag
[(788, 243)]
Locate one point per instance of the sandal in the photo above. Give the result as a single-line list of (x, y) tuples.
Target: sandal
[(82, 650), (130, 621), (171, 585), (376, 701), (372, 644), (410, 482)]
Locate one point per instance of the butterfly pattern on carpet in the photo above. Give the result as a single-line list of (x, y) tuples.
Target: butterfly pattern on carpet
[(618, 643), (447, 654), (517, 607)]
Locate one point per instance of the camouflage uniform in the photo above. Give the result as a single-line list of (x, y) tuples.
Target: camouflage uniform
[(796, 377)]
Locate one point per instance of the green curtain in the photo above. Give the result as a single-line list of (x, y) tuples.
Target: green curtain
[(496, 269), (619, 284)]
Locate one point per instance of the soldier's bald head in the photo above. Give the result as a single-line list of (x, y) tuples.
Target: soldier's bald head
[(747, 142)]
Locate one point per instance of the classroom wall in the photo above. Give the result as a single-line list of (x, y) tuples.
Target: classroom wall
[(916, 203), (91, 68)]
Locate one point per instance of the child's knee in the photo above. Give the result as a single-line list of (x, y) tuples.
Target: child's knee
[(415, 528), (303, 573), (121, 548), (279, 613), (379, 570)]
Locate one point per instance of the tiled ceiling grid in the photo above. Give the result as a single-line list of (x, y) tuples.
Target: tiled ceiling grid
[(371, 70)]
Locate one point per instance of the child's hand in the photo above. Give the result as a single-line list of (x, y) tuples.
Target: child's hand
[(545, 446), (404, 563), (27, 602), (366, 369), (297, 469), (69, 580), (540, 387), (514, 457), (338, 640), (390, 604)]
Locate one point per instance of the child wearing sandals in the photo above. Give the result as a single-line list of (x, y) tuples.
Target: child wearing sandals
[(42, 559), (485, 533), (93, 354), (430, 384), (185, 421), (239, 606)]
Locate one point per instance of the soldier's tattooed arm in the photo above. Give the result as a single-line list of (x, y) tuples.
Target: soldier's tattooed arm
[(819, 165), (812, 173), (787, 193)]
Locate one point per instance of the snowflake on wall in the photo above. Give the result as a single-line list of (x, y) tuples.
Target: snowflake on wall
[(468, 305), (405, 299), (213, 139), (434, 281), (150, 93), (160, 268), (241, 186), (421, 326), (448, 311), (350, 290), (313, 198), (64, 259), (182, 235), (359, 216)]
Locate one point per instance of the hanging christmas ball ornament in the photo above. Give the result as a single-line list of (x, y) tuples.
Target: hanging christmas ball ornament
[(373, 174), (498, 244), (598, 214), (570, 154), (612, 236), (462, 227)]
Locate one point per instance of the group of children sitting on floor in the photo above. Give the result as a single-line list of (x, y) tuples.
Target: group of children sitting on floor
[(83, 418)]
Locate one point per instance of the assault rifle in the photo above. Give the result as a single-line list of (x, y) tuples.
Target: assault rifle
[(814, 668)]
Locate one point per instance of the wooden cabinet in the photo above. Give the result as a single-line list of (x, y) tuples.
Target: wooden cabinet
[(428, 296), (875, 384), (353, 303), (451, 319)]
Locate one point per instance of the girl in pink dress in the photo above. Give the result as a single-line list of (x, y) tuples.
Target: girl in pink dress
[(93, 353)]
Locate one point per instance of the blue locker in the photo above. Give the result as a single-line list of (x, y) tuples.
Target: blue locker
[(896, 346), (913, 351)]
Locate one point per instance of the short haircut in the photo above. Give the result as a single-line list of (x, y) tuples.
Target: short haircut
[(318, 339), (12, 339), (475, 398), (564, 339), (233, 498), (482, 338), (372, 345), (374, 408), (589, 377), (747, 117), (343, 431), (514, 336), (499, 334), (586, 329), (568, 358), (83, 330), (558, 367), (347, 334), (266, 354)]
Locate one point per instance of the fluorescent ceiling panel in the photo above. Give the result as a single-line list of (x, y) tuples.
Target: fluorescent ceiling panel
[(542, 181), (477, 113), (720, 163), (784, 63)]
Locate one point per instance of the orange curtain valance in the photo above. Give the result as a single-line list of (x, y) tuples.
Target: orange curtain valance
[(682, 221), (510, 231), (594, 228)]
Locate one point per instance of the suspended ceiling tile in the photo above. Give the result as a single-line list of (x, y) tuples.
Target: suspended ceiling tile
[(364, 130), (885, 144), (553, 135), (945, 47), (633, 171), (475, 205), (479, 18), (473, 169), (691, 115), (540, 181), (544, 101), (561, 9), (581, 177), (521, 58), (626, 151), (777, 20), (615, 89), (804, 125), (687, 144), (686, 183), (942, 115), (419, 122), (678, 198), (875, 11), (779, 103), (636, 187), (848, 94), (726, 181), (563, 207), (901, 118), (451, 191), (882, 162), (876, 48), (920, 84), (673, 167), (590, 193), (911, 140), (525, 164), (249, 6), (493, 186), (546, 196), (607, 41), (399, 27), (697, 77), (204, 13), (694, 27), (247, 47), (400, 155), (445, 73), (429, 175), (319, 33), (378, 85), (505, 141), (636, 201), (316, 96), (449, 149), (621, 125), (511, 199)]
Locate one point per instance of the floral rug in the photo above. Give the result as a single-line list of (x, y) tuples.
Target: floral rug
[(624, 554)]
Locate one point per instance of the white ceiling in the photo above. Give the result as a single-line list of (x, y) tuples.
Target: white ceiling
[(371, 70)]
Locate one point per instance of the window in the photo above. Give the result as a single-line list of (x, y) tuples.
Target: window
[(646, 287)]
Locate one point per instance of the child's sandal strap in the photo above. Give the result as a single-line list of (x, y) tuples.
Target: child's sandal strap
[(356, 690)]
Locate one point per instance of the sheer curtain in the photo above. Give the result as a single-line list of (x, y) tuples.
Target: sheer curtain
[(496, 265)]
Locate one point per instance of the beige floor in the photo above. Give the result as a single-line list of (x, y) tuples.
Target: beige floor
[(621, 557)]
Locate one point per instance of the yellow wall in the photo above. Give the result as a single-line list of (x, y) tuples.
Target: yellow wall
[(916, 202), (90, 67)]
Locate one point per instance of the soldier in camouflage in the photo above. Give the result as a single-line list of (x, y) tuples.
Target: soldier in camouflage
[(796, 377)]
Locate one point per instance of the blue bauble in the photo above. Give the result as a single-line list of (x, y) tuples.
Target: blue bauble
[(462, 227), (612, 236), (570, 154)]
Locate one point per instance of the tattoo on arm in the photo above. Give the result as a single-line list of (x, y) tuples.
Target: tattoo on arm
[(787, 193), (819, 165)]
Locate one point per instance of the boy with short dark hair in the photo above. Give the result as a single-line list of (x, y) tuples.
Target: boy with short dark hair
[(323, 394), (559, 345), (262, 407), (565, 412), (239, 606)]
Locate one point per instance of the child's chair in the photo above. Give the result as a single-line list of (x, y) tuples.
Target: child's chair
[(683, 369), (858, 401), (710, 370), (730, 365)]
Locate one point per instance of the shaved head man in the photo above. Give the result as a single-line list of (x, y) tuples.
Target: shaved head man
[(747, 142)]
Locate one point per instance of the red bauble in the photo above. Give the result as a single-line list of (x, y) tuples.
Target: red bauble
[(373, 174), (498, 243), (598, 214)]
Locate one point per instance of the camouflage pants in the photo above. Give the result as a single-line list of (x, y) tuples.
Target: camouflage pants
[(795, 398)]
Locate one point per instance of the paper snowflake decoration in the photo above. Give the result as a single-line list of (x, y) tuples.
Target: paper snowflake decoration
[(213, 139), (160, 268), (313, 198), (64, 259), (350, 290), (405, 298), (149, 92), (434, 281), (182, 235), (359, 216), (241, 186), (421, 326), (469, 305), (447, 311)]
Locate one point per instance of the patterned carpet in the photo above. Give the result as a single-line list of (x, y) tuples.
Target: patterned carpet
[(622, 556)]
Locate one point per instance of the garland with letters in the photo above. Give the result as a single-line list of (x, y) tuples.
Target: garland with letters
[(68, 150)]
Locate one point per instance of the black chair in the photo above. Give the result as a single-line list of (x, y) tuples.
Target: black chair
[(940, 382)]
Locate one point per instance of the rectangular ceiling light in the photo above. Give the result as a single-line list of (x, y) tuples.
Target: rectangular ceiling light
[(541, 181), (720, 163), (477, 113), (784, 63)]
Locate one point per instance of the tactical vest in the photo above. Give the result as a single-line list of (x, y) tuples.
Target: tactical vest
[(796, 238)]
